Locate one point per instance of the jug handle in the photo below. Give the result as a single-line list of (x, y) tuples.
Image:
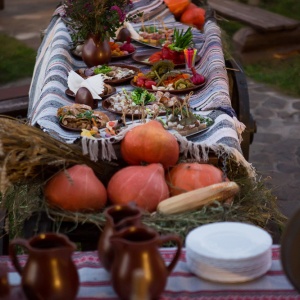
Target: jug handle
[(12, 252), (177, 240)]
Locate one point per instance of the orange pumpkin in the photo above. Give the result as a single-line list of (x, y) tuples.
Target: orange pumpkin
[(193, 16), (150, 143), (144, 186), (76, 189), (186, 177), (177, 7)]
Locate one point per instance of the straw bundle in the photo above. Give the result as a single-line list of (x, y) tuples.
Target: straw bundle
[(28, 157)]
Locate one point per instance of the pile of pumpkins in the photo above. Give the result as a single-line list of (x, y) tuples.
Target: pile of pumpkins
[(152, 178)]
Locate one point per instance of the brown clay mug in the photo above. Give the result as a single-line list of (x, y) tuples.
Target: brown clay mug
[(49, 272), (138, 263), (117, 217)]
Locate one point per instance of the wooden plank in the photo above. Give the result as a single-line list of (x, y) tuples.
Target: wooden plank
[(14, 92), (258, 18), (14, 101)]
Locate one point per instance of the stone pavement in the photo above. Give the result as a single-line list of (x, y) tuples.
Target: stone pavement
[(275, 151)]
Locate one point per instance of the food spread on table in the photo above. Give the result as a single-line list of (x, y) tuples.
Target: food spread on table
[(154, 35), (110, 73), (121, 49), (118, 49), (174, 50), (80, 116), (140, 102), (162, 76)]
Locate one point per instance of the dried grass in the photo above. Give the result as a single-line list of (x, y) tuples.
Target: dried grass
[(28, 157)]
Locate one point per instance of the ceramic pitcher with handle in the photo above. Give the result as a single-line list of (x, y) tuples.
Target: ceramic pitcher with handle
[(49, 272), (117, 218), (138, 270)]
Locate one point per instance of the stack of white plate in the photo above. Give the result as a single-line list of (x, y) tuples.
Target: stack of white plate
[(229, 251)]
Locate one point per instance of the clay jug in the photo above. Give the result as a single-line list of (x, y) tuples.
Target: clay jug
[(96, 51), (49, 272), (139, 263), (4, 285), (117, 217)]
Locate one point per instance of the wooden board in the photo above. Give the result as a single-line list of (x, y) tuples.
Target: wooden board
[(260, 19)]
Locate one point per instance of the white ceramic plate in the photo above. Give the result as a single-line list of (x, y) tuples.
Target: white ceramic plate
[(229, 241)]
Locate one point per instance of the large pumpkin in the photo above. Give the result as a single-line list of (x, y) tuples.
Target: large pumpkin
[(144, 186), (177, 7), (150, 143), (186, 177), (193, 16), (76, 189)]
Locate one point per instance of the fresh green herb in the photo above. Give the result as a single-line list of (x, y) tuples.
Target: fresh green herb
[(87, 115), (140, 96), (149, 29), (208, 121), (181, 39), (102, 69)]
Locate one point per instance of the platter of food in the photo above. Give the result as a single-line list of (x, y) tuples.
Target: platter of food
[(76, 117), (118, 50), (140, 103), (171, 89), (188, 127), (144, 57), (112, 73), (108, 91), (154, 36), (163, 77)]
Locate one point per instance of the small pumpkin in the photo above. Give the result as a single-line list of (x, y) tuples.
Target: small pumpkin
[(150, 143), (143, 185), (193, 16), (177, 7), (76, 189), (186, 177)]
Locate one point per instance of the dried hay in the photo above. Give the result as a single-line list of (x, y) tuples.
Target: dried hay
[(29, 157)]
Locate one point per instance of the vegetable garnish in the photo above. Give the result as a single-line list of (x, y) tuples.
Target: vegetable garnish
[(181, 40), (102, 69), (141, 96)]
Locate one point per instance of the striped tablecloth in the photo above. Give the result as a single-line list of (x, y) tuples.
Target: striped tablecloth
[(181, 284), (55, 60)]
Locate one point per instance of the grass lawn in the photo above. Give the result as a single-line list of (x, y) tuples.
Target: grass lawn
[(16, 59), (282, 74)]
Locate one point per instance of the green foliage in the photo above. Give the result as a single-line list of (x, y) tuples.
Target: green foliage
[(97, 17), (16, 59)]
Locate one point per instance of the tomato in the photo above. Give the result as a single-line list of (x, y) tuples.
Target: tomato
[(140, 81), (149, 83)]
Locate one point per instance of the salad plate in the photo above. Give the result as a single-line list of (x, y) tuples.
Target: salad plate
[(143, 58), (120, 57), (128, 103), (132, 112), (204, 124), (115, 73), (154, 36), (180, 91)]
